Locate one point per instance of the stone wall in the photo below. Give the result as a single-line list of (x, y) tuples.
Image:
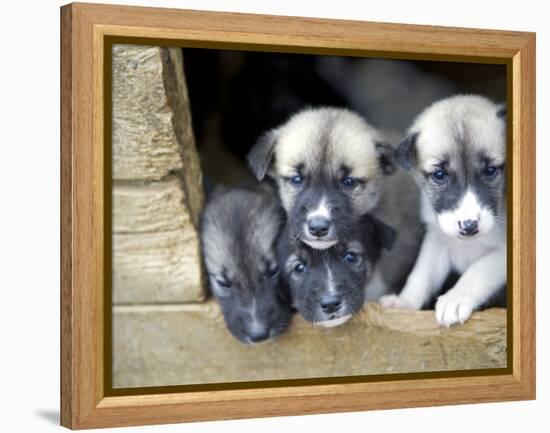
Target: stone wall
[(165, 330)]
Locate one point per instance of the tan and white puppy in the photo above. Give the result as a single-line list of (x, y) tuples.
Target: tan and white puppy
[(456, 151), (331, 168)]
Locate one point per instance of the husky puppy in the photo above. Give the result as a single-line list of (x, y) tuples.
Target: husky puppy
[(456, 151), (328, 164), (332, 167), (239, 228), (328, 286)]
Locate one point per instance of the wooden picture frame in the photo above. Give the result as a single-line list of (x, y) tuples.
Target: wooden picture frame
[(85, 28)]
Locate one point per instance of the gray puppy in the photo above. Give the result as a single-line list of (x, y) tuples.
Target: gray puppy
[(239, 229), (328, 286)]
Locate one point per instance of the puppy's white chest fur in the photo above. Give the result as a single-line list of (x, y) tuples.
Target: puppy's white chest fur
[(463, 253)]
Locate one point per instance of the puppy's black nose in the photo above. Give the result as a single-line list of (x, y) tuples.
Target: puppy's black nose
[(318, 226), (331, 303), (468, 227), (259, 335)]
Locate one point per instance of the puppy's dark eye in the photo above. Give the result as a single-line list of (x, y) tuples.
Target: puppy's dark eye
[(351, 257), (490, 171), (349, 182), (223, 283), (299, 268), (439, 176), (297, 180)]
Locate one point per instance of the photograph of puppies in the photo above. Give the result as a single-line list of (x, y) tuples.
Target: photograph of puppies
[(280, 216)]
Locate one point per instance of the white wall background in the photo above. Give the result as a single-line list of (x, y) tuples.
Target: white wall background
[(29, 215)]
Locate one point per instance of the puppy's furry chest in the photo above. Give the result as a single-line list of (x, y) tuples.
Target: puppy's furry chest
[(462, 253)]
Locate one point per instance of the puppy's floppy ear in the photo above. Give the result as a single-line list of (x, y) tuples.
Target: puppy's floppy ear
[(260, 156), (383, 233), (405, 154), (502, 112), (385, 156)]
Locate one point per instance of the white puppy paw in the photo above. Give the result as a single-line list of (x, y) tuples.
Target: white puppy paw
[(394, 301), (452, 308)]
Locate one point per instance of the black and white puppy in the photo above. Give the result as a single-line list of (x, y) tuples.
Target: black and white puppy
[(328, 286), (456, 151), (239, 228), (332, 167)]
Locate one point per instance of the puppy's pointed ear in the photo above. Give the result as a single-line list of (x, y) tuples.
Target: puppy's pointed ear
[(405, 154), (385, 156), (502, 112), (383, 233), (260, 156)]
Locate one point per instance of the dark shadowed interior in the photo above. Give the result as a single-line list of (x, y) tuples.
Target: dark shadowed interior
[(235, 96)]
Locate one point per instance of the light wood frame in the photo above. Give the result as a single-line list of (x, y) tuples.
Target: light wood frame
[(84, 403)]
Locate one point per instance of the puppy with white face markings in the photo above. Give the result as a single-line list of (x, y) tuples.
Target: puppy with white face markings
[(456, 151), (239, 229), (328, 164), (328, 286), (331, 168)]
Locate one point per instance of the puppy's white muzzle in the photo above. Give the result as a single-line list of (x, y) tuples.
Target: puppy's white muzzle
[(469, 220)]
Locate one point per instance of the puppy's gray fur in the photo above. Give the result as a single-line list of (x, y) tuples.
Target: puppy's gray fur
[(239, 228)]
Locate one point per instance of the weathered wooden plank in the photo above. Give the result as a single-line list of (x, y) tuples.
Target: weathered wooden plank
[(157, 267), (140, 206), (178, 100), (185, 344), (144, 141), (157, 186)]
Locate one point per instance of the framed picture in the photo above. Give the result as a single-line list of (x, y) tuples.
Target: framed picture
[(357, 197)]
